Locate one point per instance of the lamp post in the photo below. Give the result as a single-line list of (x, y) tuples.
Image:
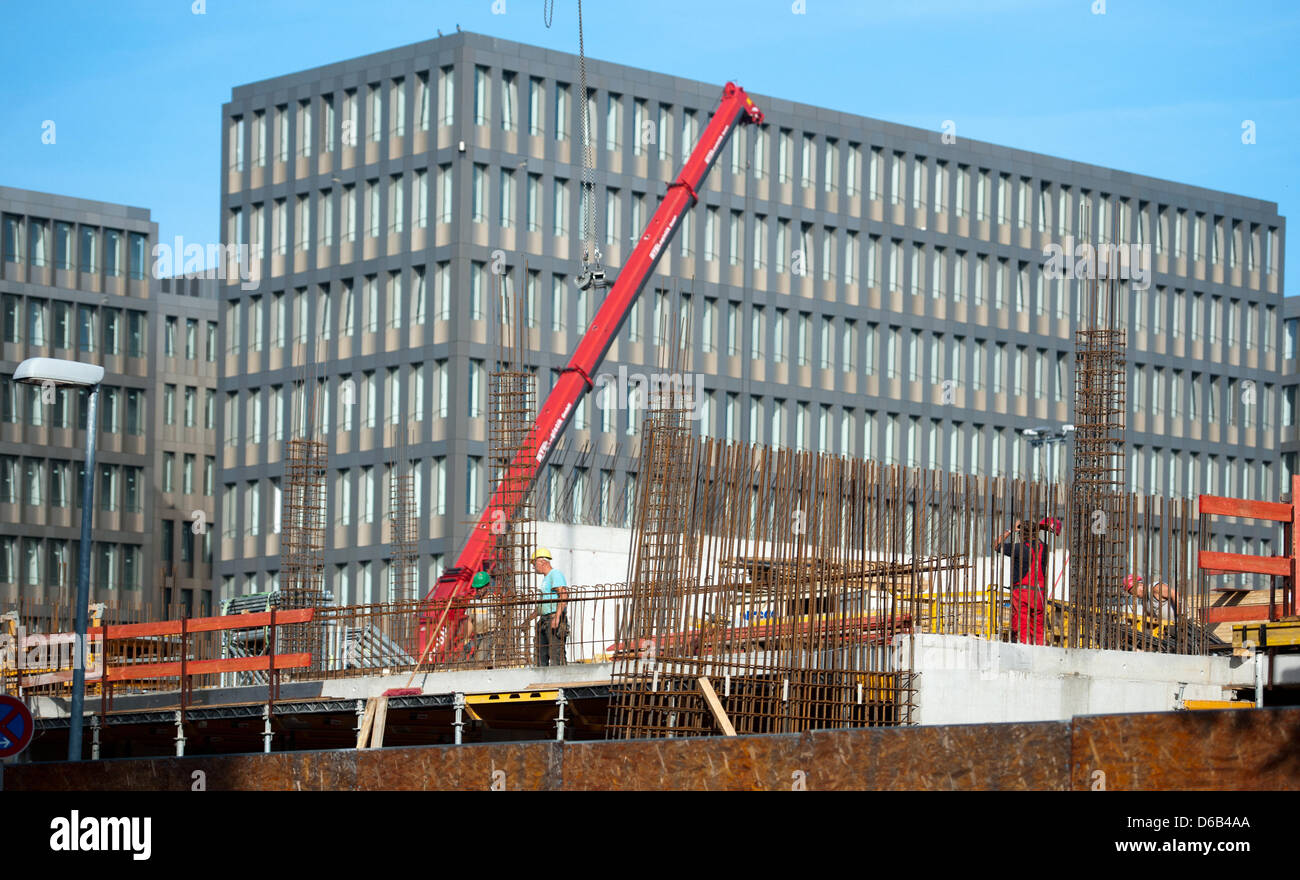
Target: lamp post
[(53, 373), (1040, 437)]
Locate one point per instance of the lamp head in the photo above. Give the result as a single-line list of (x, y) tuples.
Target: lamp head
[(39, 370)]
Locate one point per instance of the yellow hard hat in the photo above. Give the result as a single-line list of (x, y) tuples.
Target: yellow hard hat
[(542, 553)]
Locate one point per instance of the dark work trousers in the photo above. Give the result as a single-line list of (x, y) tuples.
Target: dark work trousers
[(550, 642)]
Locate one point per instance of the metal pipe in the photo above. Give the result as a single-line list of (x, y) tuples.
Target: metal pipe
[(180, 735), (559, 723), (1259, 679), (459, 723), (83, 583)]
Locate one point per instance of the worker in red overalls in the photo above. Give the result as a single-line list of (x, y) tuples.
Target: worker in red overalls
[(1028, 582)]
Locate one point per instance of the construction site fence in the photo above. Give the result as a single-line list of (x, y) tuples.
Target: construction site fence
[(345, 641), (968, 594)]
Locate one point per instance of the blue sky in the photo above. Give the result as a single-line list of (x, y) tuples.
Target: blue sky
[(1159, 88)]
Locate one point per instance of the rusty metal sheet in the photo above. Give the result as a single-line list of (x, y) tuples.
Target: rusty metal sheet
[(1234, 750)]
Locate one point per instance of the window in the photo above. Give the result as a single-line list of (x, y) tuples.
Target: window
[(135, 412), (509, 101), (304, 128), (478, 193), (561, 208), (708, 326), (733, 329), (561, 111), (282, 133), (373, 224), (110, 477), (802, 339), (831, 166), (88, 250), (13, 239)]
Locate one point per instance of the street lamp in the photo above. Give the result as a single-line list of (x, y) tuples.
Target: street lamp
[(52, 373), (1039, 437)]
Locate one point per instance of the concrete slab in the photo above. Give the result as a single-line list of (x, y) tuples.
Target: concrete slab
[(966, 680)]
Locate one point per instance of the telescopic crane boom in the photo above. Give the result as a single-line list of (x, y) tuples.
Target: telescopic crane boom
[(735, 108)]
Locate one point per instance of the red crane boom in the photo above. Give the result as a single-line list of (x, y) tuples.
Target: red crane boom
[(575, 380)]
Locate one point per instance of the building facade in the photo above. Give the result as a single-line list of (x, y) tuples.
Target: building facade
[(184, 421), (76, 283), (853, 286)]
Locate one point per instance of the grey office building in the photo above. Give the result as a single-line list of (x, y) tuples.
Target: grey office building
[(855, 286), (76, 282)]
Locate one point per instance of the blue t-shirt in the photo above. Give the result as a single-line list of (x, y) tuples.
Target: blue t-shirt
[(554, 578)]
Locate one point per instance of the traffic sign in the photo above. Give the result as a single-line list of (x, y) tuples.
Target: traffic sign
[(16, 726)]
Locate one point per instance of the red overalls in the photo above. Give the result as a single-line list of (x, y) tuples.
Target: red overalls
[(1028, 600)]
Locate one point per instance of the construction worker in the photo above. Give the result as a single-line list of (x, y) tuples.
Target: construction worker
[(1028, 581), (1152, 599), (553, 625), (482, 627)]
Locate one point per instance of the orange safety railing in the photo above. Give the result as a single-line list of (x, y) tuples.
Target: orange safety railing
[(156, 651), (1282, 569)]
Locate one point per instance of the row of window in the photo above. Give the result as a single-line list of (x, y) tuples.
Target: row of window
[(186, 484), (915, 268), (847, 431), (721, 325), (346, 401), (362, 495), (1184, 474), (325, 122), (375, 397), (279, 317), (52, 562), (62, 245), (353, 498), (50, 482), (40, 322), (189, 406), (981, 192), (121, 410), (171, 332), (167, 547), (354, 583)]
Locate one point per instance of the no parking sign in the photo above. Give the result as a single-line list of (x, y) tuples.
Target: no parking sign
[(16, 726)]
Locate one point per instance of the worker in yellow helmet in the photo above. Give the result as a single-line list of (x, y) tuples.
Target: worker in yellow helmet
[(553, 626)]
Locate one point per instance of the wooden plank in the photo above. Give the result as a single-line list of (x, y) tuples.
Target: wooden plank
[(1219, 506), (1214, 562), (381, 718), (208, 624), (715, 706), (550, 686), (206, 667), (367, 721), (64, 677), (1239, 613)]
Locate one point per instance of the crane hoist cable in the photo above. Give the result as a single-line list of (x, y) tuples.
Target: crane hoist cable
[(592, 274)]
